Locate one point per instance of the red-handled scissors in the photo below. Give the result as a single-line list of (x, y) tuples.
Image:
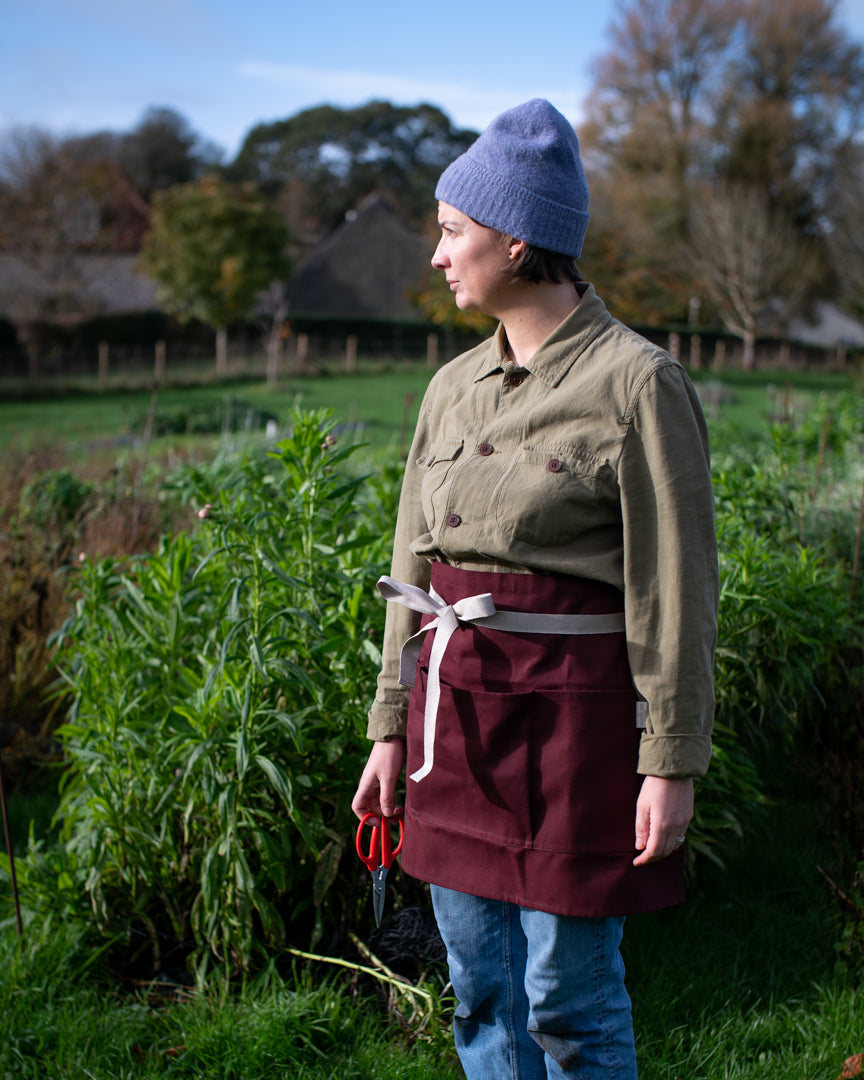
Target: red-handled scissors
[(379, 857)]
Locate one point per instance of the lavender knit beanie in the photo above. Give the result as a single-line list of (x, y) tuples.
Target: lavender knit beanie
[(524, 177)]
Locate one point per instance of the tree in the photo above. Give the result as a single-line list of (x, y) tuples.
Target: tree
[(792, 102), (746, 255), (52, 207), (328, 159), (652, 99), (845, 222), (644, 141), (765, 94), (213, 246), (162, 151)]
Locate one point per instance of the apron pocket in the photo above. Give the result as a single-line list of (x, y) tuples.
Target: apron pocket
[(584, 784), (551, 770), (477, 786)]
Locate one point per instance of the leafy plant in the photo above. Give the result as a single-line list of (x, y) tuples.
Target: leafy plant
[(219, 691), (56, 497), (219, 687)]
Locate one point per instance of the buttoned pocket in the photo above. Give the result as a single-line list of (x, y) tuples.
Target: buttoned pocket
[(434, 469), (547, 494)]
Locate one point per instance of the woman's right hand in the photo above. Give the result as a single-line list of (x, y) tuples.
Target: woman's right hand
[(376, 792)]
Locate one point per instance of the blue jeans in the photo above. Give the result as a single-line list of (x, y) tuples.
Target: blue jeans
[(541, 997)]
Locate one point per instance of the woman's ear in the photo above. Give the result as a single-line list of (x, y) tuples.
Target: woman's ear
[(515, 247)]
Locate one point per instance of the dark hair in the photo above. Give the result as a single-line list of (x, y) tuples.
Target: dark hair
[(536, 265)]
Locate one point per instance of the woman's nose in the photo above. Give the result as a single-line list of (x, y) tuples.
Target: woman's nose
[(438, 259)]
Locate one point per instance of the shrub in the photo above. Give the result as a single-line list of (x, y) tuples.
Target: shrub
[(220, 688), (790, 658)]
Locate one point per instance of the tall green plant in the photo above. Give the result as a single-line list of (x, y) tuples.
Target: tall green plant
[(219, 692)]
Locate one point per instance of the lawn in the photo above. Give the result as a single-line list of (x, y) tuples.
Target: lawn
[(381, 407), (738, 984)]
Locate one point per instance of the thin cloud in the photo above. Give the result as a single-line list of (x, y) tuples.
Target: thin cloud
[(468, 106)]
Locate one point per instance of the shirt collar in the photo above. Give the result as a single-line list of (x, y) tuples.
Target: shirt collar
[(560, 351)]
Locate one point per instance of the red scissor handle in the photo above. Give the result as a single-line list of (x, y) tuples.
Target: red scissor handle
[(380, 852)]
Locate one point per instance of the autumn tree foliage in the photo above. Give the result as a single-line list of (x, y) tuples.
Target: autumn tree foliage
[(845, 224), (213, 246), (698, 95)]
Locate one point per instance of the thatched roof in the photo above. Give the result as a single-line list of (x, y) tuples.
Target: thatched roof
[(80, 285), (366, 268), (828, 326)]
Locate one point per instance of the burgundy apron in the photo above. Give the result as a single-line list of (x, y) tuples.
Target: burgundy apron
[(532, 796)]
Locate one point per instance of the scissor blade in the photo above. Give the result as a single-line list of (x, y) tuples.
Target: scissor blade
[(379, 882)]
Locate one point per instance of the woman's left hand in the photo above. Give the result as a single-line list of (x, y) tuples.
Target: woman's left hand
[(663, 812)]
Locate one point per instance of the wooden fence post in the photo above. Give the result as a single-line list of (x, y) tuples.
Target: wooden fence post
[(695, 352), (675, 345), (351, 354), (103, 364), (221, 351), (274, 355), (431, 351), (159, 363), (32, 361), (302, 354)]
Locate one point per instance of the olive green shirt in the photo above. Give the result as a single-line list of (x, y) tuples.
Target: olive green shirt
[(590, 460)]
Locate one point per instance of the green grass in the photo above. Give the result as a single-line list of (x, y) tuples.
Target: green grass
[(740, 982), (737, 984), (86, 422), (59, 1021)]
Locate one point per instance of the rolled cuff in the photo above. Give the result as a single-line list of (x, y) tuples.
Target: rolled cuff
[(386, 722), (674, 756)]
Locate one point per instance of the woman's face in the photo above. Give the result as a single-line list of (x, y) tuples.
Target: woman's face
[(473, 258)]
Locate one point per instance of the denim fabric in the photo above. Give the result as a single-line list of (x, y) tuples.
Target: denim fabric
[(590, 461), (541, 997)]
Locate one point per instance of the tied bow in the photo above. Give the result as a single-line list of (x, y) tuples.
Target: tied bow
[(445, 623)]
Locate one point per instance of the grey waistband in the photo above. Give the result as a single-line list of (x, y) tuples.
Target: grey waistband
[(481, 611)]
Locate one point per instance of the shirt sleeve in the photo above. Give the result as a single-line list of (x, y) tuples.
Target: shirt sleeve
[(670, 571), (388, 715)]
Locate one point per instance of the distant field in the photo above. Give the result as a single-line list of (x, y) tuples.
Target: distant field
[(83, 424)]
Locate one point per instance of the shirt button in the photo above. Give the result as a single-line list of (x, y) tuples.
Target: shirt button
[(453, 520), (554, 465), (485, 449), (515, 380)]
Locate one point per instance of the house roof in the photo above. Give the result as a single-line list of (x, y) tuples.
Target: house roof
[(82, 285), (828, 326), (366, 267)]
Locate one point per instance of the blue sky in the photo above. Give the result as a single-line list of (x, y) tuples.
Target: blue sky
[(77, 66)]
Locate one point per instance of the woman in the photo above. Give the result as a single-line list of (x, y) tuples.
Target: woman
[(555, 536)]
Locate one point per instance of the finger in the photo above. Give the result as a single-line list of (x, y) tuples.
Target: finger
[(366, 800), (658, 849), (643, 827)]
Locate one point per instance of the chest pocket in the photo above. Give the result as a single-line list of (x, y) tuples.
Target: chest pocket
[(434, 469), (547, 494)]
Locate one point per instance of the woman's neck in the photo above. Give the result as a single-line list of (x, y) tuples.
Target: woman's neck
[(538, 309)]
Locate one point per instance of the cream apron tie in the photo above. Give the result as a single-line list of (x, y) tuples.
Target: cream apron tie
[(481, 611)]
